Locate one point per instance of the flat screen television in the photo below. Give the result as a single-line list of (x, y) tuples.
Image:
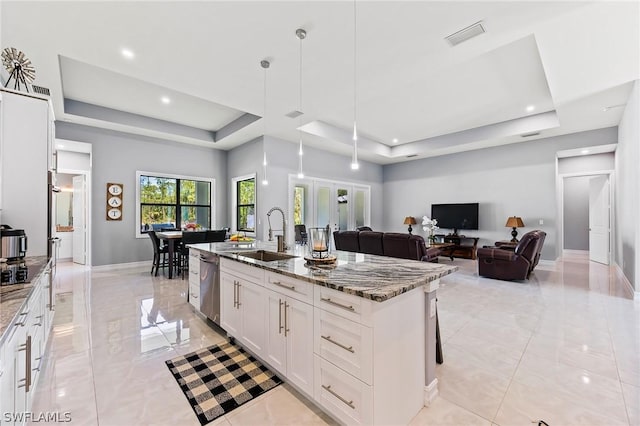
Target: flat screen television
[(456, 216)]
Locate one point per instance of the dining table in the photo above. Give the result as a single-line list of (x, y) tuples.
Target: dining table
[(171, 238)]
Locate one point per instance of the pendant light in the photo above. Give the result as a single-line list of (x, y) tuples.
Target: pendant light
[(354, 158), (301, 34), (265, 65)]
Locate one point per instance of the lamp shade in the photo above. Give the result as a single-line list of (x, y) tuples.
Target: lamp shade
[(514, 222), (410, 220)]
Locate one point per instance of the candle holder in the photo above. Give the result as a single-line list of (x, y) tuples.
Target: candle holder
[(319, 243)]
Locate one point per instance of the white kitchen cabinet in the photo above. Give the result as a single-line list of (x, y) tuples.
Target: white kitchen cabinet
[(356, 341), (23, 350), (289, 346), (243, 309), (24, 135), (230, 315)]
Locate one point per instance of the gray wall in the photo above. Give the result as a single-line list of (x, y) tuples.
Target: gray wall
[(627, 232), (516, 179), (283, 161), (576, 212), (116, 158)]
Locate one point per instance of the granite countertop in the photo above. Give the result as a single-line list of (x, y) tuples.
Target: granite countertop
[(14, 296), (377, 278)]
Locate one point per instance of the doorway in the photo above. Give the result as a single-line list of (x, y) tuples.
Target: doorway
[(323, 203), (73, 203), (586, 219)]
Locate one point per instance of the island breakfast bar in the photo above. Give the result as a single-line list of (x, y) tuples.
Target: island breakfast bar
[(357, 337)]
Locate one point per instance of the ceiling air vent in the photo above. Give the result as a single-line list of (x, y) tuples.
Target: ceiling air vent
[(465, 33), (41, 90), (412, 155), (294, 114), (526, 135)]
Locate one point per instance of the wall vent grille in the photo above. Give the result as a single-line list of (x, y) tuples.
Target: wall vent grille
[(465, 34), (41, 90), (294, 114), (526, 135)]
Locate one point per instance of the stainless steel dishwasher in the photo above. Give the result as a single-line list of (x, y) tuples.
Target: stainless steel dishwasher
[(210, 286)]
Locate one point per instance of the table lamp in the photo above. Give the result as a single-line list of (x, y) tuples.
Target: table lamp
[(514, 222), (410, 220)]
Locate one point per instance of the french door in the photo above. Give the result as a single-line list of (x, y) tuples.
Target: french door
[(321, 203)]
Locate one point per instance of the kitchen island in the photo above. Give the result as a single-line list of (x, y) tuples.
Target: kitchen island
[(357, 337)]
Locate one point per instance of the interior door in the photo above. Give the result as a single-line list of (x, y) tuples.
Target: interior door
[(599, 219), (79, 220)]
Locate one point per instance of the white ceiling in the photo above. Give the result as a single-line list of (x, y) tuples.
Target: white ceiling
[(569, 59)]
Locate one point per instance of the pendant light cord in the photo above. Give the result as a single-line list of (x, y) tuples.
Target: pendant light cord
[(354, 159), (265, 65), (300, 152)]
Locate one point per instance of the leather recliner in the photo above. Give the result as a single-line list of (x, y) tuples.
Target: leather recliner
[(494, 262)]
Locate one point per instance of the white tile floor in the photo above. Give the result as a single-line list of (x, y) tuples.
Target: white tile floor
[(563, 347)]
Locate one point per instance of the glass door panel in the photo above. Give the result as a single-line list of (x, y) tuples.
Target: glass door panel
[(323, 206), (342, 211)]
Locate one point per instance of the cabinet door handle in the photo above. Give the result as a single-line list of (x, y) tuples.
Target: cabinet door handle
[(280, 327), (238, 303), (286, 322), (27, 375), (235, 293), (332, 392), (289, 287), (24, 319), (39, 323), (346, 348), (340, 305)]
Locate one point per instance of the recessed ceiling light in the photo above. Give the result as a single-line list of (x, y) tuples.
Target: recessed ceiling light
[(530, 108), (395, 140), (128, 53), (165, 100), (584, 152)]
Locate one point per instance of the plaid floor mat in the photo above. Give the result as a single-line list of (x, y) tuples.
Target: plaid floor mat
[(220, 378)]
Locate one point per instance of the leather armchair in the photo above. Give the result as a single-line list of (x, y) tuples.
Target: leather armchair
[(495, 262)]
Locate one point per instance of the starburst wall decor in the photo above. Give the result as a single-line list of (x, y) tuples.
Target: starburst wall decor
[(19, 68)]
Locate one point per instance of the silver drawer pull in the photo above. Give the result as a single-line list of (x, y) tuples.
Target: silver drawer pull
[(279, 284), (194, 296), (350, 307), (329, 339), (349, 403)]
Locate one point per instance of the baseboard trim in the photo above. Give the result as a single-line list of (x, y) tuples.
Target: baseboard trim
[(128, 265), (545, 262), (430, 392), (576, 252), (620, 274)]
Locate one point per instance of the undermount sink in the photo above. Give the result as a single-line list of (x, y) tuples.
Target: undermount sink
[(265, 256)]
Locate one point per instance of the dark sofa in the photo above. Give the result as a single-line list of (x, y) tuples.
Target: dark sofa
[(392, 244), (504, 264)]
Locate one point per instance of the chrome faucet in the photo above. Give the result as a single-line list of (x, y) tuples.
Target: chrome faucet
[(283, 246)]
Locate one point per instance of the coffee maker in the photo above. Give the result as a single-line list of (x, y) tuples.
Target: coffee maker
[(13, 243)]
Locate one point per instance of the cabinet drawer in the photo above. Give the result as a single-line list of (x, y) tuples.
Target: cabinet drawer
[(194, 261), (345, 397), (297, 289), (342, 304), (345, 343), (194, 277), (238, 269)]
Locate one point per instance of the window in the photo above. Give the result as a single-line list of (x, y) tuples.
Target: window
[(173, 202), (246, 204)]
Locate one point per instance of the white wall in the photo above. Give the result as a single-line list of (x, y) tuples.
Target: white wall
[(116, 158), (627, 233), (283, 161), (516, 179)]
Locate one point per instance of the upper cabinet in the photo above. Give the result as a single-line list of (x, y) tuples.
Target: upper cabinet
[(25, 133)]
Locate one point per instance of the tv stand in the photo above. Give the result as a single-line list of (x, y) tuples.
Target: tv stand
[(464, 247)]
